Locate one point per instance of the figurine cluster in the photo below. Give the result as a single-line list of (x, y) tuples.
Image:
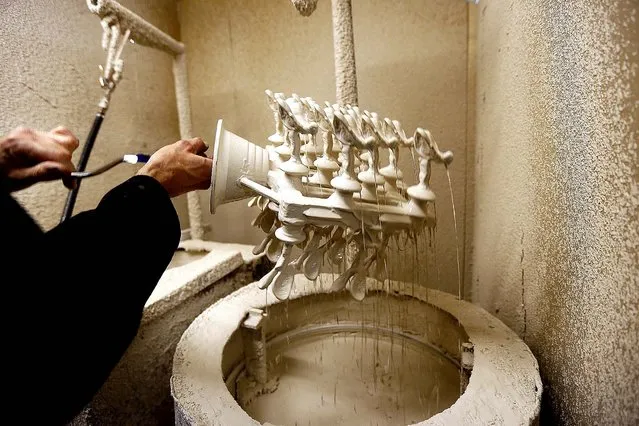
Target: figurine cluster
[(328, 195)]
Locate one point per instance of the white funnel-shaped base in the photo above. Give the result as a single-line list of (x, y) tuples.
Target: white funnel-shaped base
[(234, 158)]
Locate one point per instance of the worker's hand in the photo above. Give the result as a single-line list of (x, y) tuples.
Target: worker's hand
[(181, 167), (29, 156)]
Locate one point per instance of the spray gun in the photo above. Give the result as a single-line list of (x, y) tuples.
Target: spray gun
[(128, 158)]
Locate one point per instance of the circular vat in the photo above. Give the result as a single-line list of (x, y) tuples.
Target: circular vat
[(404, 355)]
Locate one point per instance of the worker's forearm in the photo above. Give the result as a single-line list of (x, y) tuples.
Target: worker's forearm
[(85, 283), (123, 245)]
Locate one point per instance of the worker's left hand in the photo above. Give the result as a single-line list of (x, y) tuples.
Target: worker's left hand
[(29, 156), (180, 167)]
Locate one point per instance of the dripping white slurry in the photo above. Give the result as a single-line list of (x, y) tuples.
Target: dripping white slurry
[(460, 288)]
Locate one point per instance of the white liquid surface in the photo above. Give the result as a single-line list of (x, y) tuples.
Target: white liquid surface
[(344, 379)]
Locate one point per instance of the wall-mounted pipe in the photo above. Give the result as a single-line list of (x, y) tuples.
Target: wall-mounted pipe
[(186, 132), (344, 51), (142, 32)]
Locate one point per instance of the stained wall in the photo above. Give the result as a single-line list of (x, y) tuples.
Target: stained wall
[(49, 76), (411, 59), (556, 238)]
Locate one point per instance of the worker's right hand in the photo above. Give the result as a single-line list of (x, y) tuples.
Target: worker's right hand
[(29, 156), (180, 167)]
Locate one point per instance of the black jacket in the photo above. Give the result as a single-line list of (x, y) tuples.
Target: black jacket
[(73, 296)]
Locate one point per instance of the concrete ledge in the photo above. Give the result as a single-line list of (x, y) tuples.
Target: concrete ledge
[(180, 283), (212, 262)]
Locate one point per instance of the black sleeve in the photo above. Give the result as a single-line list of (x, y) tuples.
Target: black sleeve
[(85, 283)]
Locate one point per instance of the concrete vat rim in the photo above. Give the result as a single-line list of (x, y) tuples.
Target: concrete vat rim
[(504, 388)]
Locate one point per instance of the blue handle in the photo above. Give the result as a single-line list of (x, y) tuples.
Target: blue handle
[(143, 158)]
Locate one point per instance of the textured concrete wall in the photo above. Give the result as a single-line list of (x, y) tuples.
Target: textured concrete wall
[(411, 65), (556, 239), (48, 76)]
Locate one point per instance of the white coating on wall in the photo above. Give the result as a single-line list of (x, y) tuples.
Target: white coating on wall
[(556, 242), (344, 51)]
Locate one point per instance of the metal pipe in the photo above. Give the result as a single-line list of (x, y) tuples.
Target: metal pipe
[(127, 158), (142, 32), (254, 341), (344, 51)]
